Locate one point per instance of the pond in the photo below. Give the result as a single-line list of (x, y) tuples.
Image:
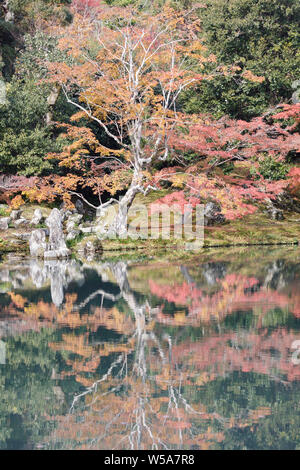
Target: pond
[(151, 355)]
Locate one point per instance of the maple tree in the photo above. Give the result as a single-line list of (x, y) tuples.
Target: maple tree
[(245, 145), (125, 75)]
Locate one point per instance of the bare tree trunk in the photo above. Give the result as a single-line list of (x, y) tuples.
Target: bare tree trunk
[(51, 100), (126, 202)]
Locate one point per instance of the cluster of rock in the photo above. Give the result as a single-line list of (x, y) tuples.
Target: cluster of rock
[(56, 247), (47, 237), (17, 220)]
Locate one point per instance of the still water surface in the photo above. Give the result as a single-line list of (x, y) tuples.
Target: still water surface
[(129, 355)]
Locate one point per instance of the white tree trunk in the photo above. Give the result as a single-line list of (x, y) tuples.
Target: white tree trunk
[(126, 202)]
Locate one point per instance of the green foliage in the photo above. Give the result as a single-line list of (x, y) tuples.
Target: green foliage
[(271, 169), (27, 11), (232, 95), (4, 212), (25, 381), (259, 36), (37, 48), (7, 48), (24, 139)]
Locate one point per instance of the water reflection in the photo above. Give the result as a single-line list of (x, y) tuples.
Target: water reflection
[(142, 356)]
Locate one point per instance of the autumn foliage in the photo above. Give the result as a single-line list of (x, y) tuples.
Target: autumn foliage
[(123, 71)]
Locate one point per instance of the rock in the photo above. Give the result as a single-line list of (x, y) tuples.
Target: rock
[(212, 214), (57, 254), (79, 206), (59, 394), (16, 214), (72, 235), (37, 243), (89, 246), (23, 236), (4, 221), (87, 229), (56, 248), (286, 202), (92, 246), (37, 217), (70, 226), (89, 251), (65, 213), (274, 213), (76, 218), (21, 222)]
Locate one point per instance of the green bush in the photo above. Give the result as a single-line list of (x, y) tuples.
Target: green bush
[(271, 169)]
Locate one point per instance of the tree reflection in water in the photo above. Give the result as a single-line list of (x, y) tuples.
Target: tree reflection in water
[(156, 356)]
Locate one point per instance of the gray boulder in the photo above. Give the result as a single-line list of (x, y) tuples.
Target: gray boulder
[(79, 206), (16, 214), (23, 236), (56, 247), (37, 217), (37, 243), (274, 213), (70, 226), (65, 214), (285, 202), (72, 235), (21, 222), (76, 218), (4, 221), (213, 215), (87, 229)]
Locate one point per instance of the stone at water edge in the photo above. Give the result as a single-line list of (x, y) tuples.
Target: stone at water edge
[(56, 247), (37, 243), (4, 221), (89, 246)]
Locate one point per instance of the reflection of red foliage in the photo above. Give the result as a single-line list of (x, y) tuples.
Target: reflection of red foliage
[(235, 292), (244, 351)]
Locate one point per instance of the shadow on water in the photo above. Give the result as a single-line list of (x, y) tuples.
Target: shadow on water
[(124, 355)]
